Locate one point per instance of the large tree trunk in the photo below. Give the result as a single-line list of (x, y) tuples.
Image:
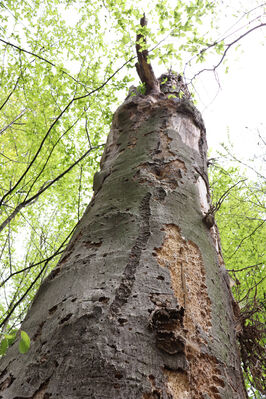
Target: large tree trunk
[(139, 305)]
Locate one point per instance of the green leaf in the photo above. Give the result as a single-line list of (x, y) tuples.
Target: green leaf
[(3, 346), (24, 343)]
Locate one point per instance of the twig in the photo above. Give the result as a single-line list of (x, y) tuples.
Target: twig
[(55, 122), (35, 280), (228, 46), (40, 58), (10, 94), (11, 123), (244, 268), (31, 199), (254, 286), (245, 238), (224, 195), (33, 265)]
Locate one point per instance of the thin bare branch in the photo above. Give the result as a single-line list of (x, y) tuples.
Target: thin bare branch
[(42, 190), (254, 286), (245, 238), (46, 261), (228, 46), (40, 58), (244, 268), (55, 122), (14, 120), (10, 94), (33, 265), (225, 194)]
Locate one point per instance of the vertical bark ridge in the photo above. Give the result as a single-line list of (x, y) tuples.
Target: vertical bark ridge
[(124, 290)]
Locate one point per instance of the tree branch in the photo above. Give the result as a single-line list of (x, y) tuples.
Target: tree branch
[(58, 251), (35, 196), (143, 66), (228, 46), (14, 120), (40, 58), (10, 94), (56, 120), (243, 268), (243, 239)]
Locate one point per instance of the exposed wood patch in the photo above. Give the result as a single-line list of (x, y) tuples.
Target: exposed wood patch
[(190, 134), (164, 149), (7, 382), (184, 261), (203, 375), (178, 384), (168, 173), (41, 393)]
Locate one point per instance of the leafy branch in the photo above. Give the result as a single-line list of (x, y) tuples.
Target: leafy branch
[(43, 189)]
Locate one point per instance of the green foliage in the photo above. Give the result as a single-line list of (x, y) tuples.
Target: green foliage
[(24, 343), (141, 88), (241, 222), (6, 342), (242, 229)]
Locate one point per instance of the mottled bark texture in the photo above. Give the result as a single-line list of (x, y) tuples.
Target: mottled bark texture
[(139, 304)]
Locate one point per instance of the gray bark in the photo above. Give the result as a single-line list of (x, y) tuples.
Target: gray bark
[(139, 304)]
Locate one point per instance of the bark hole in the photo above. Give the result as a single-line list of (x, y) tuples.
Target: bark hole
[(39, 331), (66, 318)]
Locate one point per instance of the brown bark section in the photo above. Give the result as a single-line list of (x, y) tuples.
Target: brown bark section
[(143, 66), (139, 305)]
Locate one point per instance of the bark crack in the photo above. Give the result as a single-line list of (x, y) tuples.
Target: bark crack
[(125, 288)]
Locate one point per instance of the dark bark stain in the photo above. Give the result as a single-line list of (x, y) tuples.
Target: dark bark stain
[(39, 331), (124, 290), (165, 322)]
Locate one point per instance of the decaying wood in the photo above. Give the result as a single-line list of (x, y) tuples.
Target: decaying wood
[(144, 67)]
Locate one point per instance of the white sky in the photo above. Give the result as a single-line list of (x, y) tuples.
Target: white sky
[(240, 104)]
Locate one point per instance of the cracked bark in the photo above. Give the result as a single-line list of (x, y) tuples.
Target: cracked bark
[(138, 306)]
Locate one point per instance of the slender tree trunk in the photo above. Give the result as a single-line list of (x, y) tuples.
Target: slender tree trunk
[(139, 305)]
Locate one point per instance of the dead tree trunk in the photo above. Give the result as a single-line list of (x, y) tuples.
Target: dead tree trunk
[(139, 305)]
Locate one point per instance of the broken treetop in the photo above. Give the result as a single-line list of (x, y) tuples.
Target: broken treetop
[(170, 83)]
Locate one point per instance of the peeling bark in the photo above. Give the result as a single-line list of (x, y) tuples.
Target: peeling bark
[(138, 306)]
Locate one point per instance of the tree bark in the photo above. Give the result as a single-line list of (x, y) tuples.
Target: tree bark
[(139, 305)]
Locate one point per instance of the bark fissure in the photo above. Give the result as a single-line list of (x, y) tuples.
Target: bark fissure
[(125, 288)]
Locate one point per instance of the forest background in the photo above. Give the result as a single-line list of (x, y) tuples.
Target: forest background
[(65, 68)]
